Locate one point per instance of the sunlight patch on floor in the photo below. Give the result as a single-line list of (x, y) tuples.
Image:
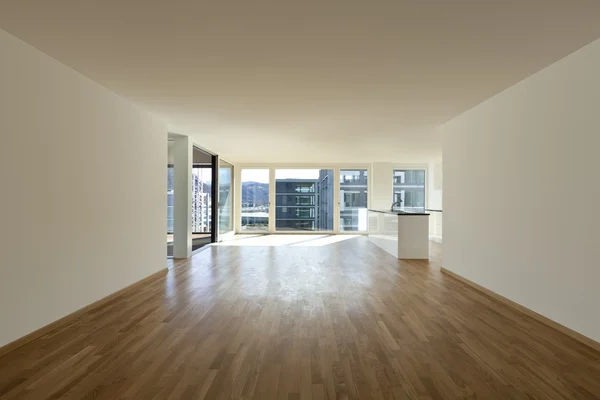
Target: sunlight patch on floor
[(285, 240), (324, 241)]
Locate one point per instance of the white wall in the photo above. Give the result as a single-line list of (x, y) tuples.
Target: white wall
[(381, 186), (183, 156), (83, 179), (170, 155), (521, 176)]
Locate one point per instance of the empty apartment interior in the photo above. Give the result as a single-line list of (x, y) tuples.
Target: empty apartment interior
[(311, 150)]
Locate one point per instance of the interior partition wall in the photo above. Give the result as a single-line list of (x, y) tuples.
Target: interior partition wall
[(302, 199)]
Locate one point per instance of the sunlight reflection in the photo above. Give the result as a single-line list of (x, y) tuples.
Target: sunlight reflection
[(286, 240), (324, 241)]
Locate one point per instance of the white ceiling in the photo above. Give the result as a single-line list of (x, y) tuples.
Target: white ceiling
[(310, 80)]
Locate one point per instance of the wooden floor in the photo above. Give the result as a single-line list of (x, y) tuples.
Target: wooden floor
[(311, 318)]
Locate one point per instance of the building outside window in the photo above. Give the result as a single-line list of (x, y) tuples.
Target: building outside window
[(201, 199), (304, 187), (304, 200), (409, 189), (305, 212), (325, 194), (353, 200)]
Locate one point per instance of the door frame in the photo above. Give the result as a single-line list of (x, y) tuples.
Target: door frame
[(214, 203), (214, 193)]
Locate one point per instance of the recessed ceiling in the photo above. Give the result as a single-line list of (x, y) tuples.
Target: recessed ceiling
[(306, 81)]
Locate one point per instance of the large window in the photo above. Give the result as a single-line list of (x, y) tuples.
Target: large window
[(353, 200), (255, 200), (304, 200), (225, 197), (409, 189)]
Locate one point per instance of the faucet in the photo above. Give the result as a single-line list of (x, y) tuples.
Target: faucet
[(395, 204)]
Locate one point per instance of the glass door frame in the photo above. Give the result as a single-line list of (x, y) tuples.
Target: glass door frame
[(272, 188), (228, 234), (214, 208)]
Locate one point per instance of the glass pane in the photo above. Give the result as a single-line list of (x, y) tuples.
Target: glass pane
[(201, 199), (409, 189), (353, 200), (170, 216), (255, 200), (304, 200), (170, 198), (225, 195)]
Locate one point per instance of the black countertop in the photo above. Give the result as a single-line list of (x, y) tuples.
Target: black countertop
[(399, 212)]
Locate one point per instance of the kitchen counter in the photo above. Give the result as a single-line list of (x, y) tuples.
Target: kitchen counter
[(404, 238), (398, 212)]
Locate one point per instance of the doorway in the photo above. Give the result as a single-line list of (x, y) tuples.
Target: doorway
[(204, 204)]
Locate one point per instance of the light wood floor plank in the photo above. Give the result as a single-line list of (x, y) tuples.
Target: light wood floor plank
[(342, 320)]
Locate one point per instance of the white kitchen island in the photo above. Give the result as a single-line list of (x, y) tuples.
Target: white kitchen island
[(405, 235)]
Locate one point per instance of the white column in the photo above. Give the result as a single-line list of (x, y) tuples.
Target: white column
[(382, 186), (182, 204)]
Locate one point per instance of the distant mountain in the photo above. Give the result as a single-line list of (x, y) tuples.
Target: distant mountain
[(255, 193)]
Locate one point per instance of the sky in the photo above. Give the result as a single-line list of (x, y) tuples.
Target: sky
[(206, 175), (262, 175)]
